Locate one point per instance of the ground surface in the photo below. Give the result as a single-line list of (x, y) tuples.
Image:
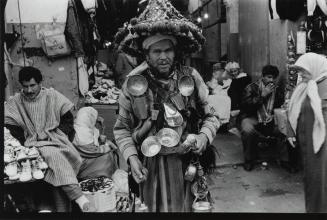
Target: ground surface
[(261, 190)]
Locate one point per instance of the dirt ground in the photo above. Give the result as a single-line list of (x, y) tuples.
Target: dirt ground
[(271, 190)]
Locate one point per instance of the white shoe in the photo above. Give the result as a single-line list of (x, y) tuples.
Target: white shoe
[(21, 154), (33, 153), (15, 143), (26, 172), (42, 164), (11, 169), (36, 171), (8, 155), (16, 177)]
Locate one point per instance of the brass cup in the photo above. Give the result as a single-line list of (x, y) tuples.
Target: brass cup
[(201, 206), (190, 173), (137, 85), (150, 146), (168, 137), (186, 85)]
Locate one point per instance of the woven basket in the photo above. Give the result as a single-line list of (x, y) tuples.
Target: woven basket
[(104, 200)]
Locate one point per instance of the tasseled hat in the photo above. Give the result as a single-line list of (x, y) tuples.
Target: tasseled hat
[(161, 17)]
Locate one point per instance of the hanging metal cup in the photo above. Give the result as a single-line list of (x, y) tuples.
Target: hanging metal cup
[(168, 137), (201, 206), (190, 173), (172, 116), (186, 85), (150, 146), (136, 85)]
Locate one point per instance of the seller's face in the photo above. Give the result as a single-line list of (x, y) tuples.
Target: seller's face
[(267, 79), (31, 88), (233, 72), (161, 56)]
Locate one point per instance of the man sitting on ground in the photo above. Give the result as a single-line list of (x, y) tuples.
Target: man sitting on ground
[(42, 118), (259, 100)]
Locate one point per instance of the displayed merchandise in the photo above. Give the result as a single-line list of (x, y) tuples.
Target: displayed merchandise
[(22, 164), (291, 57), (104, 90)]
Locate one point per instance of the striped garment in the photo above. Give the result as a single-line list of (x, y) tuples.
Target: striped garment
[(40, 120)]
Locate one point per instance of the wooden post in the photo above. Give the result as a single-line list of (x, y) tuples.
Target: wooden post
[(2, 84)]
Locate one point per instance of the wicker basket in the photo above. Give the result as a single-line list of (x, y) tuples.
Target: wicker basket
[(104, 200)]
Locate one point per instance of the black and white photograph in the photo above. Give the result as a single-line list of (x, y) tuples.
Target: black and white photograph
[(163, 106)]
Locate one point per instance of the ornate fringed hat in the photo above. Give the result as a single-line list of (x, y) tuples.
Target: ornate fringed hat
[(160, 17)]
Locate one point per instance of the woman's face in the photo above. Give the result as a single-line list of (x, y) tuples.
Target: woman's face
[(306, 76)]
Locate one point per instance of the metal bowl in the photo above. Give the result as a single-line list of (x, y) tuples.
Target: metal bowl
[(202, 206), (168, 137), (137, 85), (186, 85), (150, 146)]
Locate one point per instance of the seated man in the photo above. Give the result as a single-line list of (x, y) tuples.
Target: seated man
[(259, 100), (41, 117)]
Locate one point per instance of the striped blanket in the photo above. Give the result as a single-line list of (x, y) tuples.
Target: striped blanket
[(40, 120)]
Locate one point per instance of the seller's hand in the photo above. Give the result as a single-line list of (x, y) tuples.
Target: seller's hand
[(201, 143), (139, 172), (268, 89), (291, 140)]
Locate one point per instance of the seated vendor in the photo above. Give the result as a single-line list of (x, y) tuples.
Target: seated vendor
[(239, 80), (93, 148), (218, 98), (42, 117), (259, 100)]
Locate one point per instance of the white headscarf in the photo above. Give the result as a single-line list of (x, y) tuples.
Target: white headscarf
[(316, 65), (84, 125)]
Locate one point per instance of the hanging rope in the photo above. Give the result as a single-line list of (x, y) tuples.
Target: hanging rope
[(21, 31)]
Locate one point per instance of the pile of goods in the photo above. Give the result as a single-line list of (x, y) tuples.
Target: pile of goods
[(291, 58), (96, 184), (103, 90), (22, 164)]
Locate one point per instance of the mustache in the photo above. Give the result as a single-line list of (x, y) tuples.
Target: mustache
[(165, 61)]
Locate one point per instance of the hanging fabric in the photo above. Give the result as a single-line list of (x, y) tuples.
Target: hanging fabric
[(83, 76), (273, 10), (53, 42), (323, 6), (290, 9)]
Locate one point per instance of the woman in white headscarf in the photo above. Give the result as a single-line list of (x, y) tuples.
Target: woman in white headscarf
[(98, 159), (308, 119)]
